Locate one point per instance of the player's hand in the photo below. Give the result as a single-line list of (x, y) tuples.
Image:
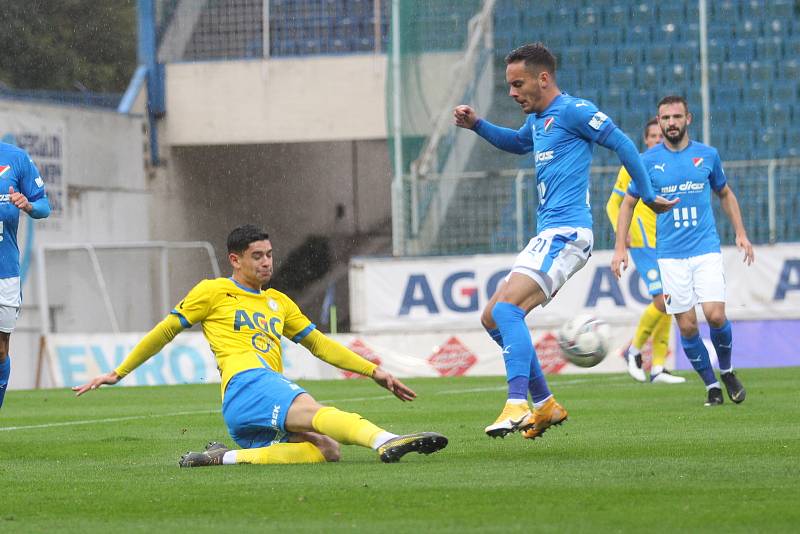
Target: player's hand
[(19, 200), (465, 117), (661, 204), (96, 382), (619, 262), (743, 244), (398, 389)]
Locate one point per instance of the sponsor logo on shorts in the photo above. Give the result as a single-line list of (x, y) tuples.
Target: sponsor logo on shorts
[(276, 410)]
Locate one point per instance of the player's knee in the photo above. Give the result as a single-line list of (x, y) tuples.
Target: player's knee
[(716, 319), (486, 318)]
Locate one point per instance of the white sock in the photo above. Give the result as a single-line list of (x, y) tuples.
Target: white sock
[(724, 371), (633, 351), (517, 401), (537, 405), (656, 369), (382, 438), (229, 458), (712, 386)]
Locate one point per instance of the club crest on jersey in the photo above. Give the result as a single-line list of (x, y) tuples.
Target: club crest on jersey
[(548, 124), (697, 162), (4, 169)]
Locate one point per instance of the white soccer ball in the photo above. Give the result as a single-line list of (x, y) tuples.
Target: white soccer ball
[(584, 340)]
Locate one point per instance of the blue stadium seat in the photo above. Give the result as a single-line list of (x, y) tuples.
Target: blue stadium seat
[(567, 79), (716, 51), (792, 46), (581, 37), (601, 56), (573, 57), (768, 142), (779, 114), (618, 16), (642, 14), (714, 73), (612, 101), (649, 77), (671, 13), (640, 35), (792, 141), (733, 72), (751, 114), (657, 54), (555, 39), (788, 69), (726, 95), (754, 92), (780, 9), (642, 99), (768, 48), (621, 76), (740, 142), (629, 55), (725, 12), (686, 53), (721, 118), (589, 17), (760, 70), (720, 32), (741, 50), (748, 29), (563, 17), (784, 91), (607, 36), (777, 28)]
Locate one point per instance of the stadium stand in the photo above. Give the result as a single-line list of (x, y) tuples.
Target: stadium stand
[(623, 56)]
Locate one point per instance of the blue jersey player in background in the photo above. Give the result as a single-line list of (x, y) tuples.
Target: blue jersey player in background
[(21, 189), (687, 244), (562, 130)]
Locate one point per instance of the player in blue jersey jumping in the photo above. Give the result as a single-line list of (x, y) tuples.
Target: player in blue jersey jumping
[(21, 189), (687, 244), (561, 129)]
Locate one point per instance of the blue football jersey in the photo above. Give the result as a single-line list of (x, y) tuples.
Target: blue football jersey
[(561, 137), (689, 228), (17, 171)]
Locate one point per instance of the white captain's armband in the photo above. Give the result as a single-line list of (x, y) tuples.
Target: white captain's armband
[(597, 120)]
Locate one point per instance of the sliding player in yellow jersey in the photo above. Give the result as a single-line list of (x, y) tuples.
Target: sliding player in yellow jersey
[(273, 419), (654, 321)]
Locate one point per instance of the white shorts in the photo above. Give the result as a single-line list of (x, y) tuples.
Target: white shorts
[(8, 318), (688, 281), (553, 256)]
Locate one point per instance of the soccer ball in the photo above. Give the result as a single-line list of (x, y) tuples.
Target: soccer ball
[(584, 340)]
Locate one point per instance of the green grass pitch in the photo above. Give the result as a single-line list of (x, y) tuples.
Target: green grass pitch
[(631, 457)]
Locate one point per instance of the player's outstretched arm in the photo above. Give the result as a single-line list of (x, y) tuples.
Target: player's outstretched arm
[(465, 117), (730, 205), (150, 345), (620, 260)]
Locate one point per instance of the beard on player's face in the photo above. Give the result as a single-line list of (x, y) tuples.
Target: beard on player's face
[(674, 134)]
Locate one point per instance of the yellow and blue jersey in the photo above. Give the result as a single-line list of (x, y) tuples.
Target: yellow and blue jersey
[(643, 225), (243, 326)]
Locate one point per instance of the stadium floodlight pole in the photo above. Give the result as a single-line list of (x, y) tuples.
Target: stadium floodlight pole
[(397, 183), (704, 95)]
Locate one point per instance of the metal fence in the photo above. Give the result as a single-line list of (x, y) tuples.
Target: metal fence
[(494, 212)]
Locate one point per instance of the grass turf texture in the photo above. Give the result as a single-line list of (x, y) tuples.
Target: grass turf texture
[(632, 457)]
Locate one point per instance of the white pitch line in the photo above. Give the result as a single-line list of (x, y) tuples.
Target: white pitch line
[(203, 412)]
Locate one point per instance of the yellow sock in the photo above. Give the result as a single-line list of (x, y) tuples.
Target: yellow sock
[(661, 340), (281, 453), (647, 323), (345, 427)]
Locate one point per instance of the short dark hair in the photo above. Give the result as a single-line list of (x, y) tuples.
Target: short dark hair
[(240, 238), (673, 99), (533, 54), (652, 122)]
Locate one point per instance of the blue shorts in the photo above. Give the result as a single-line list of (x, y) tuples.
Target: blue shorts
[(255, 407), (647, 266)]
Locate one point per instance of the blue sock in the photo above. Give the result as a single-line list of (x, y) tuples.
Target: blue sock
[(722, 338), (518, 388), (697, 353), (538, 386), (518, 349), (5, 372), (494, 333)]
